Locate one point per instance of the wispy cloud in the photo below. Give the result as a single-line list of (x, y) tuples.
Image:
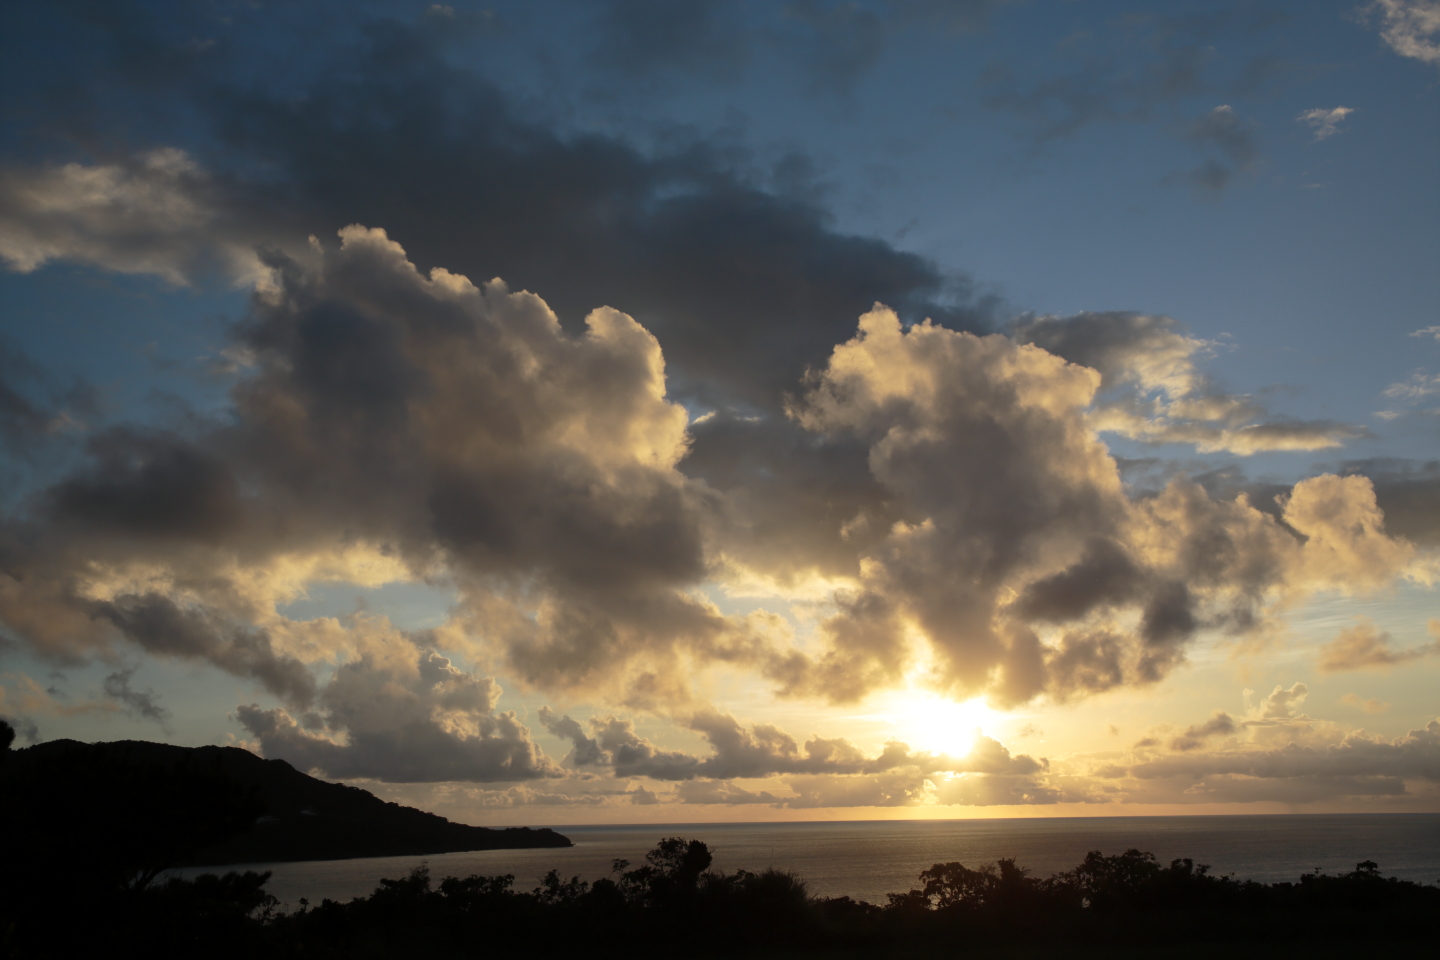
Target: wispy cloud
[(1324, 122)]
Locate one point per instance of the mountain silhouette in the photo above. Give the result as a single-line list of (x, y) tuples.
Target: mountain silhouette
[(224, 805)]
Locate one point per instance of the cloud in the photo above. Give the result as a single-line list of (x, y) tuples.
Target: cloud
[(34, 409), (1324, 122), (1010, 517), (1409, 27), (943, 499), (1363, 646), (404, 720), (144, 704), (1133, 71), (154, 213), (1369, 706), (585, 751), (1157, 394), (707, 38), (1410, 393), (22, 697), (1415, 755), (1282, 704), (1194, 737), (833, 44), (885, 790), (764, 750), (1275, 754), (1234, 139), (722, 791), (423, 422), (1427, 332), (1408, 492)]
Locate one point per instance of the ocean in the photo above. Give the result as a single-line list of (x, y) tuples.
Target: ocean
[(868, 859)]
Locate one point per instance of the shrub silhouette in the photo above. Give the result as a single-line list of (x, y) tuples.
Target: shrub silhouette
[(675, 902)]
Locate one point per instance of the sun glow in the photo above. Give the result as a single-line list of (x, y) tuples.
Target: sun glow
[(930, 722)]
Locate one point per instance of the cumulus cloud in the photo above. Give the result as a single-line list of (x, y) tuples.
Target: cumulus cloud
[(1407, 491), (1409, 27), (1282, 704), (943, 499), (400, 423), (393, 425), (403, 721), (1427, 332), (1363, 646), (1010, 517), (1324, 123)]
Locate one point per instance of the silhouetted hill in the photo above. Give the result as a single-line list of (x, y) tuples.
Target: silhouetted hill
[(303, 818)]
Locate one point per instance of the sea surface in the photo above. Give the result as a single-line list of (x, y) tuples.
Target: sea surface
[(868, 859)]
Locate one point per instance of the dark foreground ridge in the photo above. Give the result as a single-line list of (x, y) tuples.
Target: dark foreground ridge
[(253, 810)]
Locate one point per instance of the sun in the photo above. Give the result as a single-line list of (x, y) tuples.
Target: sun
[(938, 724)]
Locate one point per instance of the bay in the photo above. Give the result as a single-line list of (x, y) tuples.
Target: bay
[(868, 859)]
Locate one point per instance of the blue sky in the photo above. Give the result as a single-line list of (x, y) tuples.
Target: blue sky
[(1161, 473)]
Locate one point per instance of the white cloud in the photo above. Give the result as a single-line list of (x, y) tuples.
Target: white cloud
[(1410, 27), (1324, 122)]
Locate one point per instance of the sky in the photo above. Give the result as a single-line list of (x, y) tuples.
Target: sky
[(636, 411)]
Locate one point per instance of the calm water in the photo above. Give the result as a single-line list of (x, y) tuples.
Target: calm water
[(868, 859)]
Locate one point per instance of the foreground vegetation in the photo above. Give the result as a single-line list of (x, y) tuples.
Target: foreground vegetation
[(83, 876), (1108, 905)]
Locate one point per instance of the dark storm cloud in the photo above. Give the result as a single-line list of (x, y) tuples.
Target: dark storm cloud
[(149, 484), (744, 287)]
